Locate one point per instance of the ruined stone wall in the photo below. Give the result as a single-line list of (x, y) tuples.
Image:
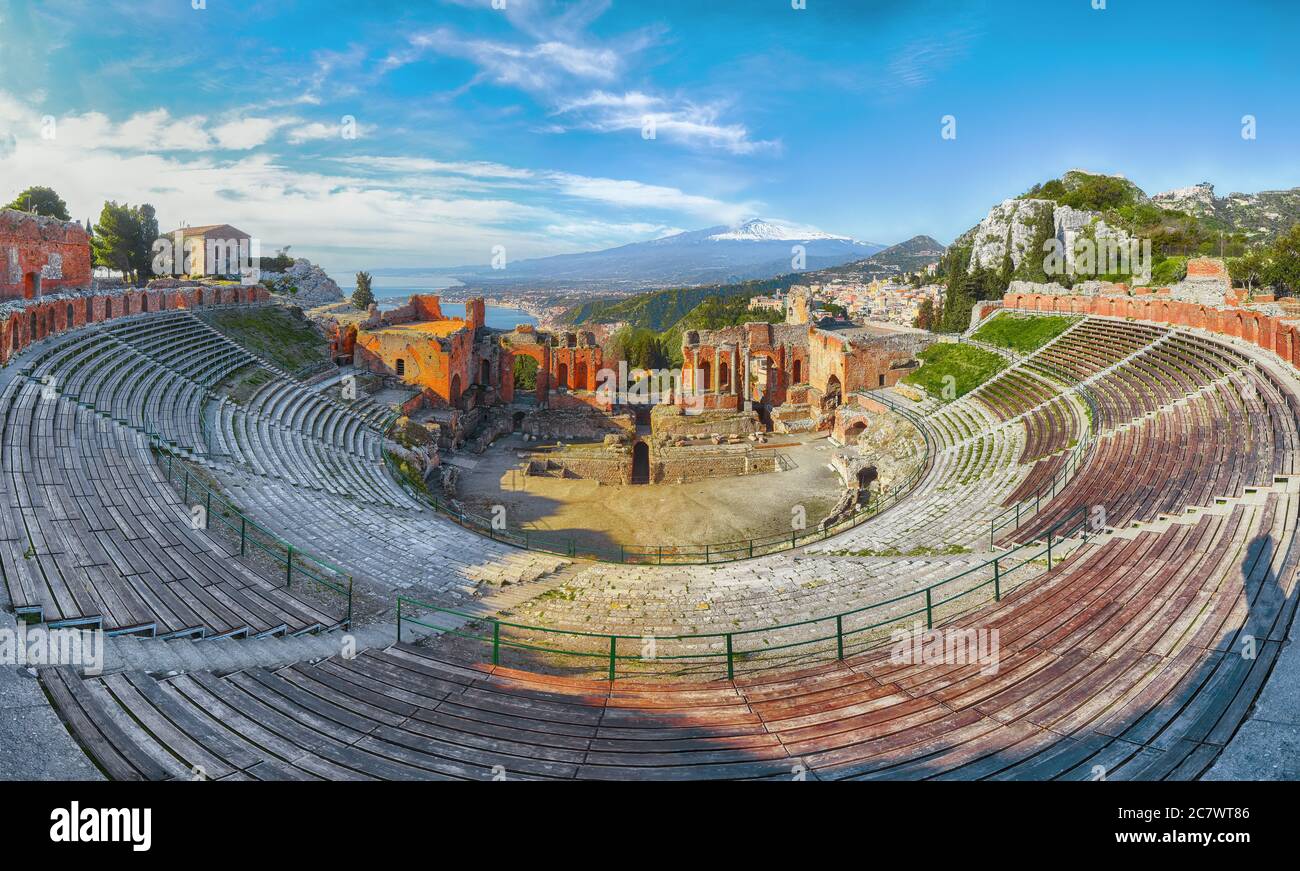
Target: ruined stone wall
[(672, 422), (41, 254), (680, 465), (25, 321), (441, 365), (549, 424), (615, 469), (756, 362), (1267, 331), (857, 362)]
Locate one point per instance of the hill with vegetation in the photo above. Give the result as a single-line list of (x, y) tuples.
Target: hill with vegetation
[(1008, 244)]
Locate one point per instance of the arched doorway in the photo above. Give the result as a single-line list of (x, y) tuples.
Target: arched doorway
[(563, 376), (455, 389), (90, 309), (798, 372), (640, 463), (580, 377), (724, 375), (832, 397), (71, 316), (485, 374), (851, 434), (866, 475), (706, 376), (400, 367)]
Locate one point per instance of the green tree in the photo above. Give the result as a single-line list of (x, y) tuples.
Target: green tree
[(959, 301), (146, 220), (1249, 269), (1283, 270), (117, 239), (123, 240), (525, 373), (42, 201), (1031, 265), (925, 315), (362, 297)]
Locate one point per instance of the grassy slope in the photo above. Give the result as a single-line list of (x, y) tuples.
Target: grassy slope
[(1022, 333), (286, 339), (968, 366)]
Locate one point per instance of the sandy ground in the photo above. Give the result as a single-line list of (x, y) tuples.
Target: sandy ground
[(602, 515)]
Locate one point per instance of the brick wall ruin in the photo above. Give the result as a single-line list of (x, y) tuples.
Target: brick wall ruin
[(1272, 333), (39, 255), (25, 321)]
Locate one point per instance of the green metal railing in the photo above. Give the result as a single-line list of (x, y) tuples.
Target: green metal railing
[(677, 554), (298, 564), (834, 632)]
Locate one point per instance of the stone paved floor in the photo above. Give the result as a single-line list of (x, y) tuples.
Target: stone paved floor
[(34, 744)]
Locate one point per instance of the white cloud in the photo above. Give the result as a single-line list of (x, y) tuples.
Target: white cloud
[(158, 131), (370, 209), (562, 60), (629, 194), (245, 133), (686, 122)]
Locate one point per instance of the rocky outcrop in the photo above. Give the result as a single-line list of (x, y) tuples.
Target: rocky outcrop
[(1258, 215), (304, 284), (1014, 221), (1011, 220)]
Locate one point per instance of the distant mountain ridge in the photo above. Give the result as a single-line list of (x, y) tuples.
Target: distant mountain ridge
[(753, 249), (909, 256), (1262, 214)]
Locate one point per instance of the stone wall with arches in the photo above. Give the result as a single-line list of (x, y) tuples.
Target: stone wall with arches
[(1264, 330), (24, 321)]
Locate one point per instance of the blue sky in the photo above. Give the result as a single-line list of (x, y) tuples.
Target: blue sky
[(523, 127)]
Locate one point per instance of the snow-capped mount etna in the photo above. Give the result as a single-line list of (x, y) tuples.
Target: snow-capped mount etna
[(715, 255)]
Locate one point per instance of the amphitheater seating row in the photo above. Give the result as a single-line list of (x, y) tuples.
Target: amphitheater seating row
[(269, 447), (151, 373), (1214, 445), (1103, 671), (93, 534)]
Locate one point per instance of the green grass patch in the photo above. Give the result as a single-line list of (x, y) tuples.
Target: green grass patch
[(950, 370), (1022, 333), (280, 335)]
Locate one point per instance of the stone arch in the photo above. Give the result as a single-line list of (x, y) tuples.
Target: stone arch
[(854, 430), (562, 377), (455, 389), (796, 376), (69, 318), (832, 396), (580, 376), (706, 375), (866, 476), (724, 375), (485, 373)]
